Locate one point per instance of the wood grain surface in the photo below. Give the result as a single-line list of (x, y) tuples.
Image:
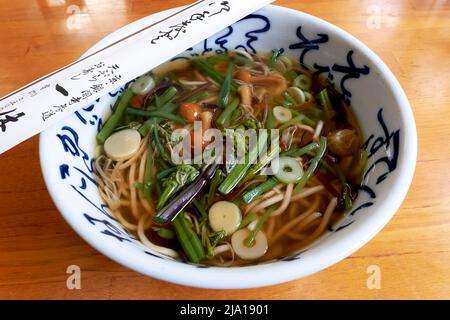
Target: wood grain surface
[(412, 251)]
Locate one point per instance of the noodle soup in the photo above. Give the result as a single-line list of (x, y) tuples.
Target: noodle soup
[(230, 214)]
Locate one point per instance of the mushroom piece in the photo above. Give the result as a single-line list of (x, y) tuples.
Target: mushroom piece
[(343, 142), (275, 82), (246, 95)]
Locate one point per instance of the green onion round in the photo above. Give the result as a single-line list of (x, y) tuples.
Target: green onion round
[(282, 114), (289, 170), (303, 82)]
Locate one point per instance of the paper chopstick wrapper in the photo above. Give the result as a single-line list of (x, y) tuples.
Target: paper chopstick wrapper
[(35, 107)]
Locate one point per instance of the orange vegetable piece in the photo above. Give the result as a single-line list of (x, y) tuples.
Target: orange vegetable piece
[(190, 111)]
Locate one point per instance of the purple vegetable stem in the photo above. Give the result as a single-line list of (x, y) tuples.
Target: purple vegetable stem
[(174, 207)]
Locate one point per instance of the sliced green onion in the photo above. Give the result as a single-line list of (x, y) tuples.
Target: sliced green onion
[(168, 95), (166, 233), (130, 125), (169, 107), (300, 118), (264, 161), (283, 64), (148, 173), (282, 114), (289, 170), (348, 203), (157, 100), (313, 165), (303, 82), (212, 240), (289, 101), (218, 58), (225, 116), (156, 114), (183, 238), (308, 96), (290, 75), (208, 69), (188, 239), (139, 186), (298, 152), (252, 194), (239, 59), (115, 118), (167, 192), (297, 94), (235, 117), (198, 96), (276, 53), (159, 146), (249, 218), (225, 91), (270, 120), (200, 208), (240, 170), (165, 173), (213, 188), (324, 99), (313, 112), (361, 164), (144, 128), (251, 238)]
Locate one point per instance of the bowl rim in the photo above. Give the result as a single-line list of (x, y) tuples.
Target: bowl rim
[(257, 275)]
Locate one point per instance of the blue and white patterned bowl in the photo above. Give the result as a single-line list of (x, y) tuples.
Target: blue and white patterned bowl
[(66, 152)]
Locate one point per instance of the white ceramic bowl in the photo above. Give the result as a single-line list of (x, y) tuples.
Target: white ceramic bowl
[(66, 152)]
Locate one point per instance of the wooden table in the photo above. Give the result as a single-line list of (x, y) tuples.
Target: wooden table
[(412, 251)]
